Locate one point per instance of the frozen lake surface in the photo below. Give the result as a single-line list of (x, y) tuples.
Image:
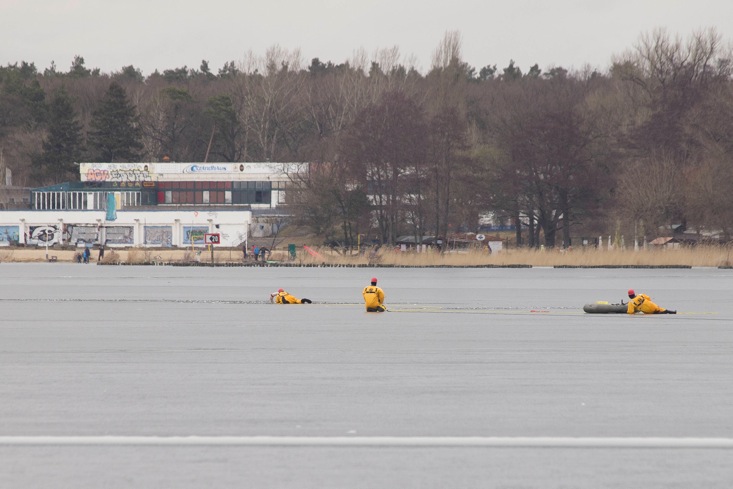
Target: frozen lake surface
[(466, 361)]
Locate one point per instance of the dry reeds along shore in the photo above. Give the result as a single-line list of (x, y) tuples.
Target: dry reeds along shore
[(699, 256)]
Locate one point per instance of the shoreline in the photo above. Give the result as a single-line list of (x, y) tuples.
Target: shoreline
[(708, 257)]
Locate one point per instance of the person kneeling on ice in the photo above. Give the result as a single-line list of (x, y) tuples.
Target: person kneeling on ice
[(374, 297), (643, 303), (282, 297)]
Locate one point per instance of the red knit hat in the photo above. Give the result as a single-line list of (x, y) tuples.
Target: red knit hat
[(631, 292), (374, 280)]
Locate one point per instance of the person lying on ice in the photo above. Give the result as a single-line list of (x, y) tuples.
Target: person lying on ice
[(643, 303), (282, 297)]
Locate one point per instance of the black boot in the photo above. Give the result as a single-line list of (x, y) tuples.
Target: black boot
[(669, 311)]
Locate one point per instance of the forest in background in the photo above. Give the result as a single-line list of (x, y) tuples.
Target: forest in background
[(635, 150)]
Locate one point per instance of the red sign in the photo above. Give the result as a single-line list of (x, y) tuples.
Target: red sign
[(214, 238)]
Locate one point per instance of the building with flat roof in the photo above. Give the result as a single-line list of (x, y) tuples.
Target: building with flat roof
[(151, 205), (255, 185)]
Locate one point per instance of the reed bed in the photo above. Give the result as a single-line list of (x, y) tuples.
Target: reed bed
[(699, 256)]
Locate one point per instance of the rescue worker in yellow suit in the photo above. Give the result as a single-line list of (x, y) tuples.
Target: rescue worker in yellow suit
[(374, 297), (643, 303), (282, 297)]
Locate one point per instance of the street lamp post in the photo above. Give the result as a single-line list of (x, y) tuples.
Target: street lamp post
[(47, 239)]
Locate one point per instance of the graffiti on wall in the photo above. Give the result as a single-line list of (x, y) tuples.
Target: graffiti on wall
[(194, 234), (118, 175), (82, 235), (9, 235), (159, 236), (47, 235), (121, 235), (52, 234), (78, 235)]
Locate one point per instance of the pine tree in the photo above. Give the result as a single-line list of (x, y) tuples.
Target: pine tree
[(64, 144), (116, 134)]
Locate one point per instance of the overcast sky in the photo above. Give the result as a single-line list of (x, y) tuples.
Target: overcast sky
[(156, 34)]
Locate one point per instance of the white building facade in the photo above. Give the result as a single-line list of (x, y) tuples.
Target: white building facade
[(144, 229)]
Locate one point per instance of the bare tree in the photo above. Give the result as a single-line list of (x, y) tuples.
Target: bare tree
[(171, 120), (679, 88), (706, 185), (673, 77), (383, 147), (270, 108), (648, 192), (447, 156), (549, 139)]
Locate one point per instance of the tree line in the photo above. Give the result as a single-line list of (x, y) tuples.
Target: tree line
[(636, 149)]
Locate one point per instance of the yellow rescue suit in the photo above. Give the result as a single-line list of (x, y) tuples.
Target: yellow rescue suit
[(285, 298), (643, 303), (374, 299)]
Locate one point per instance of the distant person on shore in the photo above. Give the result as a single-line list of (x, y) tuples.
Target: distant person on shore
[(256, 252), (282, 297), (374, 297), (643, 303), (244, 251), (101, 253), (86, 254)]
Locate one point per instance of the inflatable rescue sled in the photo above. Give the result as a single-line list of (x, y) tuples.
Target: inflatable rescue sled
[(602, 307)]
